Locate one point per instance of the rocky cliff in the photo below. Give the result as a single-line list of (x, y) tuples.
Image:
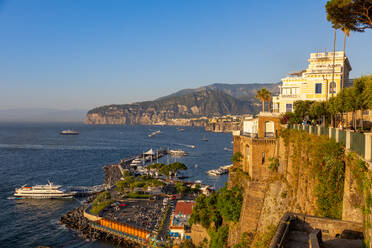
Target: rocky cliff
[(300, 184), (206, 102)]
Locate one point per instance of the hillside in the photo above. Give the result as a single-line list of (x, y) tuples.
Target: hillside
[(239, 91), (211, 100)]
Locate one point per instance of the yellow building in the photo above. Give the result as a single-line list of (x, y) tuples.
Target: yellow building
[(316, 83)]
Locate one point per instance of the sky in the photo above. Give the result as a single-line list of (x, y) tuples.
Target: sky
[(79, 54)]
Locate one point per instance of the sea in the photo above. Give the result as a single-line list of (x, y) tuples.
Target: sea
[(33, 153)]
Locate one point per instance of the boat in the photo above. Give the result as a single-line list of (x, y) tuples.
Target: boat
[(220, 171), (153, 133), (69, 132), (136, 162), (47, 191), (180, 129), (204, 138), (178, 152), (227, 149)]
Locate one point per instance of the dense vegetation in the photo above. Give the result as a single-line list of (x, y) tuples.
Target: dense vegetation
[(168, 169), (131, 182), (211, 211), (102, 200), (363, 179), (355, 15), (323, 160)]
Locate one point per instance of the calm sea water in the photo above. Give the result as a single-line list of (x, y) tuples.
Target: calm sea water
[(34, 153)]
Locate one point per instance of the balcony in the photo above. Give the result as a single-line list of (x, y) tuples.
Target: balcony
[(290, 96)]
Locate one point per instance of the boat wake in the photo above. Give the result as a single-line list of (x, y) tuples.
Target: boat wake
[(190, 146)]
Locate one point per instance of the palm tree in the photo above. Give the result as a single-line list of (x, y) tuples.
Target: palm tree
[(347, 33), (263, 95), (333, 62)]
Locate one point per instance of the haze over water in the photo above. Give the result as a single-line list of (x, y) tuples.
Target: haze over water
[(34, 153)]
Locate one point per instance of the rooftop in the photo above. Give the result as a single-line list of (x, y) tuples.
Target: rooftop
[(184, 207)]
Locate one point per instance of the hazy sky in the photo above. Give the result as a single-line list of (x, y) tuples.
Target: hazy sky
[(69, 54)]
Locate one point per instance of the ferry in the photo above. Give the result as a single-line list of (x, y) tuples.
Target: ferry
[(47, 191), (69, 132)]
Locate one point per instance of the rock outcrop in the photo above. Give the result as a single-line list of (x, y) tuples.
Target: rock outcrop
[(203, 103)]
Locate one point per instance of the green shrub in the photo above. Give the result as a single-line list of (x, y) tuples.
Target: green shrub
[(219, 238), (102, 200), (263, 240)]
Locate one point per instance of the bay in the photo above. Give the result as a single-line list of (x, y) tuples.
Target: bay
[(33, 153)]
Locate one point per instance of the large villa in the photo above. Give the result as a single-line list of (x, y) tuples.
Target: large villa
[(325, 76)]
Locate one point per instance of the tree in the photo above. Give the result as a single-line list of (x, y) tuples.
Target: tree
[(319, 110), (350, 95), (301, 108), (263, 95), (354, 15), (367, 93), (346, 34), (359, 88), (175, 167), (237, 158), (332, 109)]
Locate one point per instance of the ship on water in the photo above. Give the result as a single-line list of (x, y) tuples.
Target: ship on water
[(153, 133), (69, 132), (47, 191)]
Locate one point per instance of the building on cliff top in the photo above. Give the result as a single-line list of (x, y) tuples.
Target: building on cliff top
[(322, 79), (179, 228), (257, 144)]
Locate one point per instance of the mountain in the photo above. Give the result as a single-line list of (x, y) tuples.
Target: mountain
[(41, 115), (211, 100), (239, 91)]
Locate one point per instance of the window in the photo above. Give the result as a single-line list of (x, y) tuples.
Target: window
[(288, 107), (332, 88), (318, 88)]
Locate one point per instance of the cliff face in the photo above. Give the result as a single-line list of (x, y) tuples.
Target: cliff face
[(196, 104), (292, 188)]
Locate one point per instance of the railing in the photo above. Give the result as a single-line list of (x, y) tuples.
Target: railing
[(361, 143)]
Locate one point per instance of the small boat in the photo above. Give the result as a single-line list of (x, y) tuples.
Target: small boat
[(136, 162), (47, 191), (153, 133), (180, 129), (198, 181), (204, 138), (227, 149), (178, 152), (69, 132), (220, 171)]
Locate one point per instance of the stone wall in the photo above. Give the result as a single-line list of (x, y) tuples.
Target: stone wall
[(198, 234)]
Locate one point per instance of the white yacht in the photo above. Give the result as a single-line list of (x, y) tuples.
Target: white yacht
[(49, 191), (178, 152)]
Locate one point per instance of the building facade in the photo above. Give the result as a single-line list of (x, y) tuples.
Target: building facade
[(257, 144), (179, 227), (320, 81)]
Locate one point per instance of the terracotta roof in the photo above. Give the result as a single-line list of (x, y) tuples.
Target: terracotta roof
[(185, 207)]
